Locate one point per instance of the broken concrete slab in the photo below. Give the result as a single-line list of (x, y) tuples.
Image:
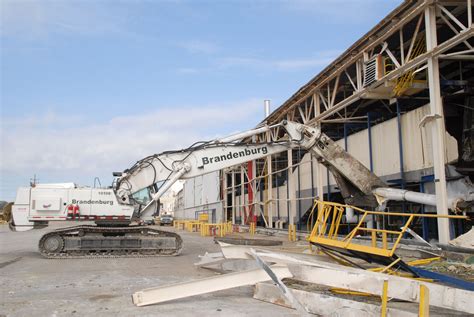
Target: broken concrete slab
[(372, 283), (285, 291), (466, 240), (335, 275), (323, 304)]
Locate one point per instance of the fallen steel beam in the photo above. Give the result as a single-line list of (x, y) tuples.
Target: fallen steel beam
[(398, 287), (335, 275), (207, 285), (287, 293), (327, 305)]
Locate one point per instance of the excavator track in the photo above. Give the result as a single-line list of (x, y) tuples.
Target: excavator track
[(109, 242)]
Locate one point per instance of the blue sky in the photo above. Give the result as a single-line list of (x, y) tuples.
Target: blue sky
[(89, 87)]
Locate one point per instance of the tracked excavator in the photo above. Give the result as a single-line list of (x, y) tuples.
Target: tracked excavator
[(136, 191)]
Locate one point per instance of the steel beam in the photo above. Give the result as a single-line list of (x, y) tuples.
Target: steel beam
[(283, 288), (234, 214), (322, 304), (372, 282), (269, 201), (208, 285), (224, 194), (291, 189), (317, 271), (340, 65), (417, 61), (242, 196)]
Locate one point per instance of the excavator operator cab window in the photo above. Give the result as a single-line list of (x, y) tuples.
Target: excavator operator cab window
[(142, 196)]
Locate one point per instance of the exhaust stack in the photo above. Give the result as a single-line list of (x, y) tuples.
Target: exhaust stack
[(266, 104)]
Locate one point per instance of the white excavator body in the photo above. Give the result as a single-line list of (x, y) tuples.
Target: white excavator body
[(136, 192), (60, 202)]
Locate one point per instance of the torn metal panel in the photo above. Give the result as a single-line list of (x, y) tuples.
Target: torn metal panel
[(335, 275), (287, 293), (398, 287), (208, 285), (324, 304)]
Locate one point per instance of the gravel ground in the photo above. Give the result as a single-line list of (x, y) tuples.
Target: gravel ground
[(31, 285)]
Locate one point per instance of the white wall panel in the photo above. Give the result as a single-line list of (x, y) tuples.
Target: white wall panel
[(385, 151), (417, 148)]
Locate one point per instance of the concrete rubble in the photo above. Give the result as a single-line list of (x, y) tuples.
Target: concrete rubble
[(465, 241), (309, 282)]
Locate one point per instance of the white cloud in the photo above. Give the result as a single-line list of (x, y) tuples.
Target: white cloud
[(38, 19), (317, 60), (65, 144), (199, 47)]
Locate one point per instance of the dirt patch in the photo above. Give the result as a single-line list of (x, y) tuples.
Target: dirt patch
[(102, 297), (3, 264), (243, 241)]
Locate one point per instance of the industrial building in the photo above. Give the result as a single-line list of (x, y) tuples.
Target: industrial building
[(352, 198), (399, 100)]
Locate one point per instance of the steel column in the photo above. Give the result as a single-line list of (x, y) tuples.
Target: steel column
[(269, 202), (369, 132), (225, 195), (233, 197), (329, 185), (291, 189), (278, 201), (250, 191), (312, 173), (299, 190), (242, 196), (425, 223), (438, 131), (400, 146), (345, 136)]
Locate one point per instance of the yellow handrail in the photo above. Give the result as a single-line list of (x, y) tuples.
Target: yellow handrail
[(326, 229)]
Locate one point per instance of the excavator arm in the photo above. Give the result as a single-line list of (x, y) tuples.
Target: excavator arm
[(354, 179), (358, 185), (114, 209), (168, 167)]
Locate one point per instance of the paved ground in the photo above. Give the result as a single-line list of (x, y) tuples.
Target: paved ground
[(31, 285)]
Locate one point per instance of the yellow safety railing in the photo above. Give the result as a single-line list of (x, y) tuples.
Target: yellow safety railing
[(388, 66), (190, 225), (326, 229), (193, 226), (181, 223), (406, 80), (216, 229), (424, 299), (291, 232), (252, 228)]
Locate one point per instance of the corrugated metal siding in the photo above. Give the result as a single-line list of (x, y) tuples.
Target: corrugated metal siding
[(417, 147), (385, 154), (201, 190)]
